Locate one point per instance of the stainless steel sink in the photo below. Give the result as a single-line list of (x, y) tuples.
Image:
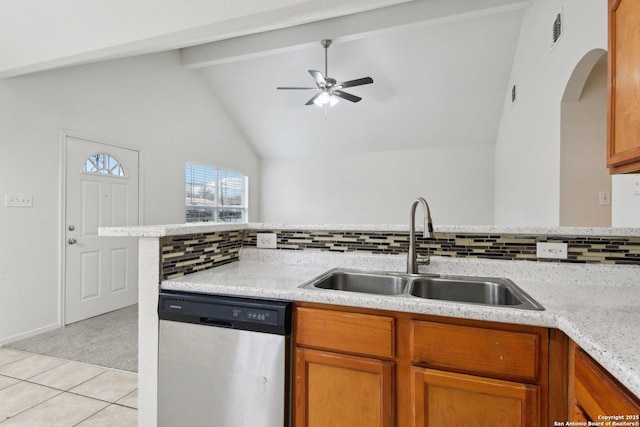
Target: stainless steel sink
[(465, 289), (359, 281), (475, 290)]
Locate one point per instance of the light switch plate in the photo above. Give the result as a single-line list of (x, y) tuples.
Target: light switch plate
[(604, 198), (551, 250), (267, 240), (18, 200)]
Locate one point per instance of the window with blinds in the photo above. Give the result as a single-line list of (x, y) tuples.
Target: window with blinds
[(215, 195)]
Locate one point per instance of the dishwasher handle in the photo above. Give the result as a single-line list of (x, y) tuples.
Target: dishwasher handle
[(212, 321)]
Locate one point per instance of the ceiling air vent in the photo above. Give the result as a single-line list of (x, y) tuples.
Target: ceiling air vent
[(556, 34)]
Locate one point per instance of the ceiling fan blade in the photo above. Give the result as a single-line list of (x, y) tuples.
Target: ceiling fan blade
[(318, 77), (347, 96), (356, 82), (310, 102), (295, 88)]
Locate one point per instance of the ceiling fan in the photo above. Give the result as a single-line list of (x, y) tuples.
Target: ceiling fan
[(330, 89)]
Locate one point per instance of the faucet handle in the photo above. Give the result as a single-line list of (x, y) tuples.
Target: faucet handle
[(423, 260)]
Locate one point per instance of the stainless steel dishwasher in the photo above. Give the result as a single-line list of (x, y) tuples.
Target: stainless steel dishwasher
[(223, 361)]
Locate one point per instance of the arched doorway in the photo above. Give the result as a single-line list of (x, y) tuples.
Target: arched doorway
[(585, 183)]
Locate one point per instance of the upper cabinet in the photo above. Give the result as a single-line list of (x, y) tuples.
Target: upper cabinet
[(623, 139)]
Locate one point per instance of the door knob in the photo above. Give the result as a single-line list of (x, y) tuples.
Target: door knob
[(72, 241)]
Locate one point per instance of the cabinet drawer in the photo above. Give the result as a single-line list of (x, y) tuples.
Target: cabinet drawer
[(356, 333), (503, 354), (596, 393)]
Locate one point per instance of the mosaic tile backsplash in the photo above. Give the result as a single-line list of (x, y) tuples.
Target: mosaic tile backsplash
[(187, 254), (583, 249), (180, 255)]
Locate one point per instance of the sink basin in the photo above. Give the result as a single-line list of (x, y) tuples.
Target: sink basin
[(358, 281), (464, 289), (478, 290)]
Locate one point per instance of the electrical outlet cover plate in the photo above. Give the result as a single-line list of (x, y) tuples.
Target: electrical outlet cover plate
[(551, 250), (267, 240)]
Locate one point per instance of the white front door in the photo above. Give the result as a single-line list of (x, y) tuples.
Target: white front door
[(101, 191)]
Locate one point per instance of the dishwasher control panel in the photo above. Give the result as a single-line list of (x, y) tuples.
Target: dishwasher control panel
[(223, 311), (259, 315)]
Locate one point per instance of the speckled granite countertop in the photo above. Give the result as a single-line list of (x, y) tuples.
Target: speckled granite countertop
[(595, 305), (206, 227)]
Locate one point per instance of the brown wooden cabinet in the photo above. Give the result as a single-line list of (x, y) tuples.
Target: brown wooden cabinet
[(470, 365), (336, 389), (623, 139), (362, 367), (488, 352), (449, 399), (594, 394), (344, 369)]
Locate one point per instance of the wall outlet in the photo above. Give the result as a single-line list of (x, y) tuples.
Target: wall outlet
[(267, 240), (18, 200), (551, 250)]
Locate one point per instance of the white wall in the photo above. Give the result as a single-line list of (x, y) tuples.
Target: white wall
[(378, 187), (625, 209), (528, 145), (150, 103)]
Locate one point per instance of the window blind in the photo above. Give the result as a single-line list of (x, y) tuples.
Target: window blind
[(215, 195)]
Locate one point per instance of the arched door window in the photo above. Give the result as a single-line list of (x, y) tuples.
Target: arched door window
[(103, 164)]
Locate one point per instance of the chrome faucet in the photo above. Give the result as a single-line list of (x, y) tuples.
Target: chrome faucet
[(412, 259)]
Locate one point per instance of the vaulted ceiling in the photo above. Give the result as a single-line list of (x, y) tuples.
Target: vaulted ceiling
[(438, 81), (441, 68), (37, 35)]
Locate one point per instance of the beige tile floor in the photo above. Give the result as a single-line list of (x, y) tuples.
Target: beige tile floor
[(38, 390)]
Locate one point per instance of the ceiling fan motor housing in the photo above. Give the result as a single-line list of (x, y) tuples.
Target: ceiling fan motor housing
[(329, 82)]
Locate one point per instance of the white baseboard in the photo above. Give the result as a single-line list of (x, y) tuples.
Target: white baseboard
[(28, 334)]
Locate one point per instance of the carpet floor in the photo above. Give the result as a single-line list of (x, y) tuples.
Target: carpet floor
[(109, 340)]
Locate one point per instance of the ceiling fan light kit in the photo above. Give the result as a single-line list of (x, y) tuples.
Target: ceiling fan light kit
[(330, 89)]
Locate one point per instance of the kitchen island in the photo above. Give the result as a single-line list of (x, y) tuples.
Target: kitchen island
[(594, 305)]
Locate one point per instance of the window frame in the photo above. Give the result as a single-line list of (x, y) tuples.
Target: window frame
[(102, 170), (214, 209)]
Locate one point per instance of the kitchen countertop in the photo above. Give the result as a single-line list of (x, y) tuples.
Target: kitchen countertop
[(206, 227), (595, 305)]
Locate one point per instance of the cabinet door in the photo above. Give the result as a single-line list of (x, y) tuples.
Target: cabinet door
[(623, 142), (335, 390), (449, 399), (596, 394)]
